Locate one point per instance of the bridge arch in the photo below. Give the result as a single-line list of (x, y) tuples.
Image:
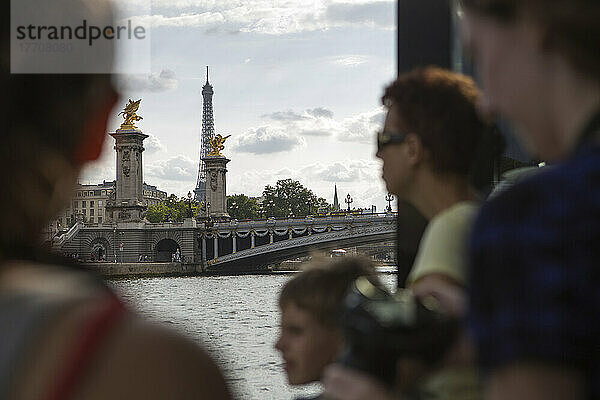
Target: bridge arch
[(99, 249), (165, 249)]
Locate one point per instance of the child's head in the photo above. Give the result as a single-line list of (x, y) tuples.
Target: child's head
[(310, 302)]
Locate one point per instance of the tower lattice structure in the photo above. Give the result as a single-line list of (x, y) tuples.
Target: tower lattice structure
[(208, 132)]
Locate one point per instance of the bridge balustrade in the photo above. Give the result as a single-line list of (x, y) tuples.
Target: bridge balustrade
[(234, 239)]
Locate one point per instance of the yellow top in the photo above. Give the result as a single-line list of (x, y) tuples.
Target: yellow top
[(443, 249), (216, 144), (129, 114)]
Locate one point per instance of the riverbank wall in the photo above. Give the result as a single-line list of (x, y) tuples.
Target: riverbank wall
[(143, 269), (149, 269)]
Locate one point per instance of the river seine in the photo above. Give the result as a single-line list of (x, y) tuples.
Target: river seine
[(235, 317)]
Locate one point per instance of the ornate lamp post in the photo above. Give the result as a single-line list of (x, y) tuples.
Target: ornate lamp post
[(208, 217), (260, 210), (189, 196), (348, 200), (122, 245), (389, 198), (309, 206), (270, 206), (233, 208), (115, 243)]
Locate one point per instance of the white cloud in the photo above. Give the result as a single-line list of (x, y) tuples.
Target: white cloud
[(163, 81), (268, 16), (320, 112), (265, 140), (343, 171), (97, 172), (311, 122), (350, 60), (153, 145), (284, 116), (374, 13), (176, 168), (362, 127), (321, 122), (205, 19)]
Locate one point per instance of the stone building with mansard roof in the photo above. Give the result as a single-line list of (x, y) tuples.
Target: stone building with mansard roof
[(89, 201)]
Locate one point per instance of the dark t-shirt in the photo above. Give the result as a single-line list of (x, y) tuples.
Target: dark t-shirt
[(535, 270)]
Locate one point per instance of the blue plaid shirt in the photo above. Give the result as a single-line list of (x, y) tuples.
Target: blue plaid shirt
[(535, 270)]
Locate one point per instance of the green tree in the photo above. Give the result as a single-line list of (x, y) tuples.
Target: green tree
[(290, 197), (173, 209), (241, 206)]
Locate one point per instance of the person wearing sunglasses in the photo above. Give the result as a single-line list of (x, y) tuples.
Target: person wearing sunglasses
[(429, 146)]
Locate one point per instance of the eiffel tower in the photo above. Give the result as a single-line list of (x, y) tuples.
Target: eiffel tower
[(208, 132)]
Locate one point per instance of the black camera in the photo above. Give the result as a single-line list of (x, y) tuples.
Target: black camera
[(380, 328)]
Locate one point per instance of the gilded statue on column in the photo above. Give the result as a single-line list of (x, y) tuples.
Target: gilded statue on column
[(216, 145), (129, 114)]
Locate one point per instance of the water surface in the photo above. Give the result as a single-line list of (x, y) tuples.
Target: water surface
[(235, 317)]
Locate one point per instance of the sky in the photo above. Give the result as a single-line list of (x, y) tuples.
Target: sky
[(297, 86)]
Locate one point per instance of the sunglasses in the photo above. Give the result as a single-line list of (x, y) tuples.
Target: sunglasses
[(385, 137)]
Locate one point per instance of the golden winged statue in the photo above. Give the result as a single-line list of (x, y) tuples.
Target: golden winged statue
[(129, 114), (216, 145)]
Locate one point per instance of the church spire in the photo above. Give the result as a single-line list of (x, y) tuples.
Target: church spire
[(336, 203)]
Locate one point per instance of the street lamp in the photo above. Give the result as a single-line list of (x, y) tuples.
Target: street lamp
[(260, 210), (234, 207), (122, 245), (189, 196), (308, 206), (389, 198), (348, 200), (271, 205)]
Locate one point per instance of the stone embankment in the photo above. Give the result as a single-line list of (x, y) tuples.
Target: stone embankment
[(144, 269)]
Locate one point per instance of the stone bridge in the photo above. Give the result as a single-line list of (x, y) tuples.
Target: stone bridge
[(226, 246), (255, 244), (125, 242)]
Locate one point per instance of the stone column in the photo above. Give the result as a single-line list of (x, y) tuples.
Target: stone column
[(216, 186), (203, 248), (126, 203), (271, 237), (234, 239), (216, 246), (252, 240)]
